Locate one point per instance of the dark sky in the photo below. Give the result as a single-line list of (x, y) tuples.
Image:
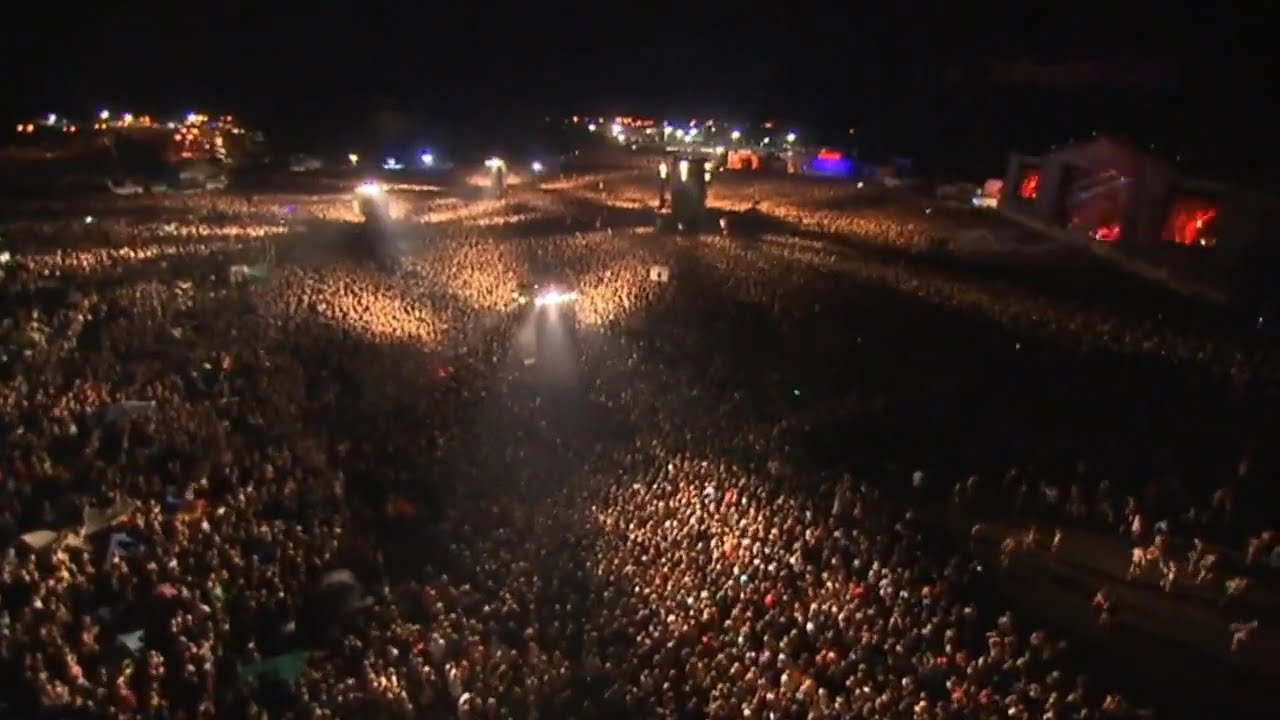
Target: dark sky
[(893, 67)]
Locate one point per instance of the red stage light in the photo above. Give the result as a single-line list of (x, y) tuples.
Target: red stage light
[(1189, 221), (1029, 188), (1107, 233)]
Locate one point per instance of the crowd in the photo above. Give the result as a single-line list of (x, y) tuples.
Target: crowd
[(332, 491)]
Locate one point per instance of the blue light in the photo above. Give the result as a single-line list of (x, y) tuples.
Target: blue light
[(831, 167)]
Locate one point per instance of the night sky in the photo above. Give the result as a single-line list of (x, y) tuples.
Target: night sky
[(912, 78)]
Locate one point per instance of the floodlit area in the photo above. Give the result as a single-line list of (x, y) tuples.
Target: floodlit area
[(843, 451)]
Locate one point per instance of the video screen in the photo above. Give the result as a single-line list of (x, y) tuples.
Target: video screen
[(1191, 221), (1096, 203)]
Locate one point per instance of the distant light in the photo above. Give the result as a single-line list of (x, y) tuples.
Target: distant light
[(591, 127), (719, 149), (192, 118), (555, 297), (736, 135), (494, 163), (51, 119), (369, 189), (791, 137), (427, 159), (536, 166), (128, 118), (679, 133), (353, 158), (684, 171), (88, 219), (861, 184), (392, 164), (104, 114), (616, 129)]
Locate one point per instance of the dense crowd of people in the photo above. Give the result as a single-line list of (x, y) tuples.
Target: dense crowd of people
[(331, 491)]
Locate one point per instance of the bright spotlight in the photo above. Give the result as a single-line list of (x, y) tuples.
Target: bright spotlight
[(103, 114), (552, 298), (427, 159), (536, 166), (591, 127), (791, 137), (369, 189), (353, 158), (736, 135)]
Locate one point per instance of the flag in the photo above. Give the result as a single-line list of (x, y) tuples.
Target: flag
[(250, 273)]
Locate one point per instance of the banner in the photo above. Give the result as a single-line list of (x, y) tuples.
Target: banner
[(98, 519)]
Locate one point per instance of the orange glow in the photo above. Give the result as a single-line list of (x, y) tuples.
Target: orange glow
[(742, 160), (1029, 188), (1189, 222)]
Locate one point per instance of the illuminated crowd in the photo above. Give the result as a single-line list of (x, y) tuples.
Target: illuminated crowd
[(334, 492)]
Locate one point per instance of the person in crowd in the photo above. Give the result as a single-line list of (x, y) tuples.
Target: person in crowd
[(325, 491)]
